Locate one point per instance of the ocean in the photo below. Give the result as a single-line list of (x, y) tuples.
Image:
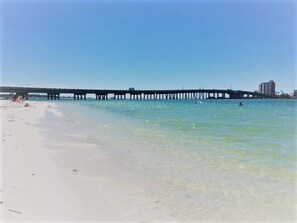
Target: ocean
[(207, 160)]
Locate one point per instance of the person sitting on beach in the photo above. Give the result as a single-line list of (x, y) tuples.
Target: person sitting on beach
[(14, 98), (17, 98)]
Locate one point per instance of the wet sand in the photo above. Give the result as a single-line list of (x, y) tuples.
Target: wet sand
[(58, 181)]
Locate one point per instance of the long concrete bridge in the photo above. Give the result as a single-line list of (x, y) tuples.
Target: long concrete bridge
[(79, 94)]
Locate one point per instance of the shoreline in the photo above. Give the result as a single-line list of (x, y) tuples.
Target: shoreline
[(71, 162), (51, 180), (31, 183)]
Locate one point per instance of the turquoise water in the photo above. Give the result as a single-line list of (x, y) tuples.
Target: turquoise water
[(208, 159)]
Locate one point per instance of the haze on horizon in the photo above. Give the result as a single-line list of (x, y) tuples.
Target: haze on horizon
[(148, 45)]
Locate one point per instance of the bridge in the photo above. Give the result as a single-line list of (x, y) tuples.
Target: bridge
[(132, 94)]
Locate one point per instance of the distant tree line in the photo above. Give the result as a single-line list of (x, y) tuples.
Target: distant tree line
[(282, 94)]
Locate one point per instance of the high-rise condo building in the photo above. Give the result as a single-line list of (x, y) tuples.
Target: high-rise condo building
[(267, 88)]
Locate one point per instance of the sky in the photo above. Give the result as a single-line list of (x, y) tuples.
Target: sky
[(148, 44)]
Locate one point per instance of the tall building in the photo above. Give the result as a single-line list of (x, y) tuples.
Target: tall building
[(267, 88)]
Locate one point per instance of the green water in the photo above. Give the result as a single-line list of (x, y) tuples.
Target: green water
[(206, 158)]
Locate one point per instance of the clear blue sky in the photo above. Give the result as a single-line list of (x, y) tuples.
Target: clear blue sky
[(148, 45)]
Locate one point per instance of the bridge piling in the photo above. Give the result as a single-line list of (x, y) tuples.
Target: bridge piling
[(101, 96), (53, 96), (24, 95)]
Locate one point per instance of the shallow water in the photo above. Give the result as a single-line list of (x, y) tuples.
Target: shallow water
[(205, 160)]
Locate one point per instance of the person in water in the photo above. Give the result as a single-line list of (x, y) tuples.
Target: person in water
[(240, 104)]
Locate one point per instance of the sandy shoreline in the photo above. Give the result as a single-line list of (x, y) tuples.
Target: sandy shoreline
[(57, 181), (31, 185), (57, 165)]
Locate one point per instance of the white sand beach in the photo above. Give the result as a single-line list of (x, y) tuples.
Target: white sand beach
[(61, 182), (61, 164)]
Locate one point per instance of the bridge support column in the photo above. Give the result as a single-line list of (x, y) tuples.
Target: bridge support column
[(53, 96), (101, 96), (79, 96), (119, 96), (24, 95)]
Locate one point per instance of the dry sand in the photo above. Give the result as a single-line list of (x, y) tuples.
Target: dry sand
[(42, 184)]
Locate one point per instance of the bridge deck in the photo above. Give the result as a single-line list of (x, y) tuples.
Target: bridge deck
[(102, 94)]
